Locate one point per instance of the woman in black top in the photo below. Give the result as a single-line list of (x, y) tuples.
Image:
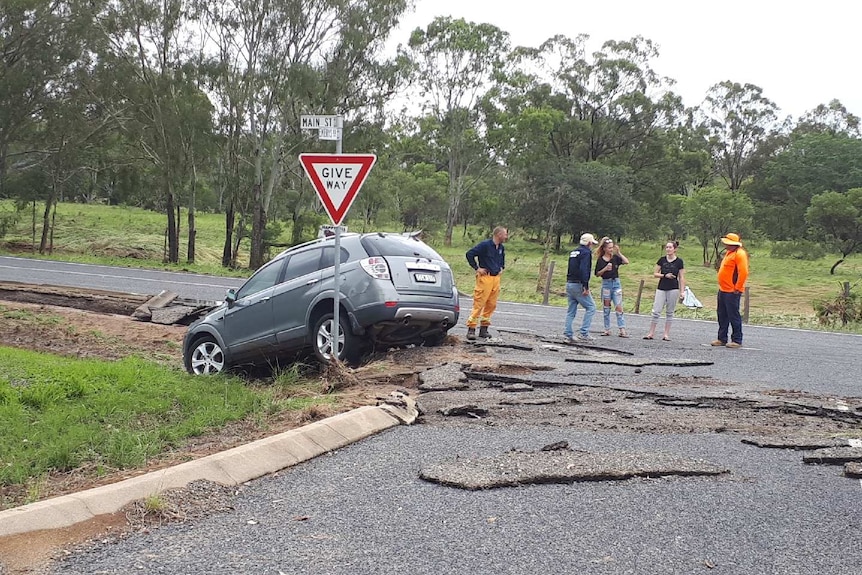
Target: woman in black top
[(609, 258), (671, 284)]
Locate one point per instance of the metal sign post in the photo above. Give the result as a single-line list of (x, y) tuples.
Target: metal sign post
[(336, 299), (337, 180)]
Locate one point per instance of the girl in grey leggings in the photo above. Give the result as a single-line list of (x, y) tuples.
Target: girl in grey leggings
[(670, 271)]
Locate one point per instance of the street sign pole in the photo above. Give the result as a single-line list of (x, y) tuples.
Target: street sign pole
[(337, 179), (337, 284)]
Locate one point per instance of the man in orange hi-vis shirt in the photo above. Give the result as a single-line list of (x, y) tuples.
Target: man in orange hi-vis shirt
[(731, 284), (491, 256)]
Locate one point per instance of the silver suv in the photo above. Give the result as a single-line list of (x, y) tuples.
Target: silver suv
[(395, 290)]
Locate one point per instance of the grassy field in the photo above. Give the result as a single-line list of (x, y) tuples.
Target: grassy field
[(782, 291), (60, 414)]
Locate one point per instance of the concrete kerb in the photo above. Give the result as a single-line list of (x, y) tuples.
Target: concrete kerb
[(230, 467)]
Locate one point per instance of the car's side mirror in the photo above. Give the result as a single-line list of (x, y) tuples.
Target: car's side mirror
[(230, 297)]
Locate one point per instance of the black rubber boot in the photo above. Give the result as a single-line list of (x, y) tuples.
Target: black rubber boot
[(483, 332), (471, 333)]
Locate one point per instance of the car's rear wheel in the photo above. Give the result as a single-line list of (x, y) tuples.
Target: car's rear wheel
[(206, 357), (435, 339), (325, 347)]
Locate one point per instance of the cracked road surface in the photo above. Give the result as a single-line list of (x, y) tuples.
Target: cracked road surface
[(656, 460)]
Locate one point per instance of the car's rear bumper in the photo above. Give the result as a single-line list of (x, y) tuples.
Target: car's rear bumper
[(425, 315)]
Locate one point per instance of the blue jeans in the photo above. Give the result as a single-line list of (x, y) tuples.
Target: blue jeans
[(729, 316), (575, 293), (612, 291)]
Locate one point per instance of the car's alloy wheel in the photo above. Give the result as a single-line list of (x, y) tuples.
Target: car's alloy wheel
[(324, 340), (207, 357)]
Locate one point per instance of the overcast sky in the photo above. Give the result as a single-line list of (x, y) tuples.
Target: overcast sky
[(800, 53)]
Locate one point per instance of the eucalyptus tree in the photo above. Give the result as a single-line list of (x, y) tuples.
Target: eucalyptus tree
[(811, 163), (40, 43), (151, 55), (711, 212), (832, 118), (279, 59), (68, 141), (562, 105), (454, 65), (837, 217), (740, 120)]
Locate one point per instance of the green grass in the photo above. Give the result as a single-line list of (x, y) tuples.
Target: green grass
[(59, 414)]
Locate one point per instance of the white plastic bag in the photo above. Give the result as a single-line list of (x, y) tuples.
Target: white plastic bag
[(688, 299)]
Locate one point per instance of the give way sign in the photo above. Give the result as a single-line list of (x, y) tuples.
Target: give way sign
[(336, 179)]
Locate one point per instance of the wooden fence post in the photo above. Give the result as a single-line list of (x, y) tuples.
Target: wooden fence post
[(638, 300), (548, 283)]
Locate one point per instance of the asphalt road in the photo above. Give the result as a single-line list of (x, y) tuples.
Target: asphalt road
[(364, 510), (128, 280)]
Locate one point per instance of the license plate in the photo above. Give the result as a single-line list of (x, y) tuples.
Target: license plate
[(426, 278)]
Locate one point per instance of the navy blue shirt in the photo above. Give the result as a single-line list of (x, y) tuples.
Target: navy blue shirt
[(580, 266), (491, 257)]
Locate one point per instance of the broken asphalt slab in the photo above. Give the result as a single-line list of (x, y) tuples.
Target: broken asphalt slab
[(833, 455), (561, 466), (447, 377), (798, 442), (853, 470), (634, 362)]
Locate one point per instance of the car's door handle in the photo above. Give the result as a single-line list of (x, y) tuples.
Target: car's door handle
[(310, 282), (265, 298)]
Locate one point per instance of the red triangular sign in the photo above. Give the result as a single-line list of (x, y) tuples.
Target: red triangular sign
[(336, 179)]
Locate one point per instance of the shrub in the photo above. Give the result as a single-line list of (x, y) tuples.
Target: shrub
[(797, 250), (846, 308)]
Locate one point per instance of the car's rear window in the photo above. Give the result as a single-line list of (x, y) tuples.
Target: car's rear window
[(394, 245)]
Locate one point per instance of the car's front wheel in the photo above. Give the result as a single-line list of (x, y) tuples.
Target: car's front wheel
[(206, 357), (325, 346)]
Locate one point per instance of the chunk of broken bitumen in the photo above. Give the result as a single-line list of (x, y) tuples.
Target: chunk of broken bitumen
[(853, 469), (170, 315), (534, 401), (833, 455), (517, 387), (503, 345), (798, 442), (469, 409), (516, 468), (447, 377)]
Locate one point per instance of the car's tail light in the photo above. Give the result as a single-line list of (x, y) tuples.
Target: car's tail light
[(376, 268)]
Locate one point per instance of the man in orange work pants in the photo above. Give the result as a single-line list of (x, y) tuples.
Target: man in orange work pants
[(488, 258)]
